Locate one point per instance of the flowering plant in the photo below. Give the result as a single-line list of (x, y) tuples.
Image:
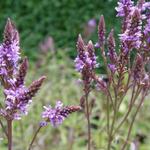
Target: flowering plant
[(17, 95), (125, 72)]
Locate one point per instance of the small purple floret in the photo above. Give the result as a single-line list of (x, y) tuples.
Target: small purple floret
[(53, 114)]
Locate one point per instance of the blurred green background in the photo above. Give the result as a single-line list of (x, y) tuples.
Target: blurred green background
[(63, 20), (48, 31)]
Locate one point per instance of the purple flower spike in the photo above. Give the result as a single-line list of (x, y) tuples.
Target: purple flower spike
[(111, 48), (124, 8), (9, 50), (131, 38), (101, 31), (86, 58), (57, 115), (138, 69), (17, 95), (93, 63), (22, 73)]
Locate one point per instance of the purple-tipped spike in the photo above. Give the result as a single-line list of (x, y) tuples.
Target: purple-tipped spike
[(101, 31)]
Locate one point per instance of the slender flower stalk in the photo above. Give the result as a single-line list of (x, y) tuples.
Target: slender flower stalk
[(55, 116), (131, 125), (34, 137), (17, 95), (9, 126), (101, 31), (85, 64)]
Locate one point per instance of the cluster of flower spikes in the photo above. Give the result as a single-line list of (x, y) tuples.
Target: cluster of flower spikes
[(86, 63), (17, 95), (135, 37), (86, 57), (135, 16), (57, 114)]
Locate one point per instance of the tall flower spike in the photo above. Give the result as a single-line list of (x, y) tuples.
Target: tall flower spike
[(80, 45), (132, 36), (34, 87), (111, 47), (11, 33), (22, 73), (86, 58), (57, 115), (9, 51), (124, 8), (92, 57), (17, 96), (138, 71), (80, 60), (101, 31)]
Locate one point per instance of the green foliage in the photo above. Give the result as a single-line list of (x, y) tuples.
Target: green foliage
[(61, 19)]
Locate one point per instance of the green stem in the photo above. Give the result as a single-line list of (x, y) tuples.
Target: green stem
[(9, 125), (34, 137), (88, 121), (132, 101), (109, 94), (108, 115), (131, 125)]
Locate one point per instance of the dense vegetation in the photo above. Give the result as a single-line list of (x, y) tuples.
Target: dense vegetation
[(63, 20)]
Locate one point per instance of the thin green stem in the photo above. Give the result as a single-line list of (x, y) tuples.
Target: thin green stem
[(108, 106), (110, 138), (88, 121), (132, 101), (125, 92), (9, 125), (34, 137), (132, 122), (109, 94)]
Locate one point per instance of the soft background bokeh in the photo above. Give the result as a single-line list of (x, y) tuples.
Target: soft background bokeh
[(48, 31)]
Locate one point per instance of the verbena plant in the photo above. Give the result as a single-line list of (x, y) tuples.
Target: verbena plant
[(17, 95), (125, 73)]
